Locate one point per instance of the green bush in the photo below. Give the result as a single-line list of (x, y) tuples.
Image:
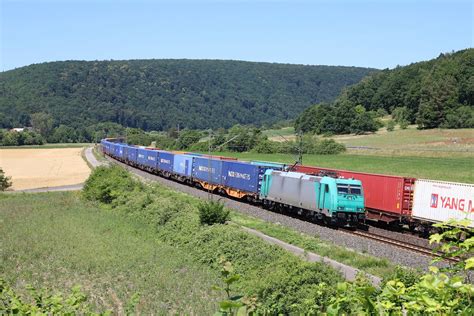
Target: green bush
[(390, 125), (107, 184), (328, 147), (213, 212), (266, 146), (5, 182)]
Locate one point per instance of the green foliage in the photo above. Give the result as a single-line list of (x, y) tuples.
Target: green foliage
[(390, 125), (435, 93), (42, 302), (42, 122), (433, 293), (455, 241), (160, 94), (213, 212), (429, 93), (13, 138), (5, 182), (328, 147), (187, 138), (232, 304), (108, 184), (401, 114), (137, 137)]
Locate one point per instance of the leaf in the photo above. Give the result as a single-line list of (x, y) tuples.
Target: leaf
[(435, 238), (227, 304), (236, 297), (232, 279), (469, 263), (433, 269)]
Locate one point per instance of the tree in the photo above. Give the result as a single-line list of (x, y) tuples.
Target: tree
[(5, 182), (188, 137), (390, 125), (42, 122), (401, 114)]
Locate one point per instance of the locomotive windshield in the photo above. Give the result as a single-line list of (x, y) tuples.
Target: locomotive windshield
[(346, 189)]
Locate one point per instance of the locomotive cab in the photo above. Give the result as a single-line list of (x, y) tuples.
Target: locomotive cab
[(346, 203)]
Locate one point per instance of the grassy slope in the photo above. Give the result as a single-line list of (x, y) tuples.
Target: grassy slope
[(54, 240)]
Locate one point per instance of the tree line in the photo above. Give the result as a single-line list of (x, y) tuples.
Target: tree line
[(431, 94), (160, 94)]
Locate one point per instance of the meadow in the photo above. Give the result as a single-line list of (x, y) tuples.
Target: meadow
[(56, 240)]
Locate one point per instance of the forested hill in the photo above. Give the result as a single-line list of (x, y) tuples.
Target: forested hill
[(158, 94), (434, 93)]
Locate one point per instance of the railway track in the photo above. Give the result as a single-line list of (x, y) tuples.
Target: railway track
[(400, 244)]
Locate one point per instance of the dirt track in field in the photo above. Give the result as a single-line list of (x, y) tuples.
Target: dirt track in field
[(40, 168)]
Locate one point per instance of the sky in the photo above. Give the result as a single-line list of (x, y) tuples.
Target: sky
[(379, 34)]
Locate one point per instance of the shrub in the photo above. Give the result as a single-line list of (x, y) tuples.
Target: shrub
[(404, 124), (328, 147), (213, 212), (390, 125), (106, 184), (266, 146), (5, 182)]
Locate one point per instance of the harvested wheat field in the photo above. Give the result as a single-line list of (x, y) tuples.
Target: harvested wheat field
[(40, 168)]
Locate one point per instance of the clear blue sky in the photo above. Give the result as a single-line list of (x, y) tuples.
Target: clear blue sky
[(377, 34)]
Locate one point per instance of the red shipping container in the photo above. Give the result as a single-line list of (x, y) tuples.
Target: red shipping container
[(387, 198)]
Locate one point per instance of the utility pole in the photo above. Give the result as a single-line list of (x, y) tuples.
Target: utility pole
[(209, 159), (300, 148)]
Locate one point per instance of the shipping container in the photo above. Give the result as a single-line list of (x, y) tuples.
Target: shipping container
[(242, 176), (183, 165), (151, 159), (208, 170), (439, 201), (165, 161), (141, 156), (132, 154), (387, 198), (119, 150)]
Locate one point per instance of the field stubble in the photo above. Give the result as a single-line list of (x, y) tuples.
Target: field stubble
[(47, 167)]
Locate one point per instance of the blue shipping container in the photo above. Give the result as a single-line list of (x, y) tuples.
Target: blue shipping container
[(165, 161), (151, 159), (242, 176), (141, 156), (132, 154), (183, 164), (119, 150), (208, 170)]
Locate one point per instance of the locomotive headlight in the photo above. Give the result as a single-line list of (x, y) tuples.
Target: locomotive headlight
[(340, 208)]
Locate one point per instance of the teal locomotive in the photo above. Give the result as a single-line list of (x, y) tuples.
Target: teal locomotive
[(334, 200)]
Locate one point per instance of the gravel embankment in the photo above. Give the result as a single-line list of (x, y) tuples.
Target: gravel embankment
[(359, 244)]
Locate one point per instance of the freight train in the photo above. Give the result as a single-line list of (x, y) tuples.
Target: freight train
[(395, 201), (335, 200)]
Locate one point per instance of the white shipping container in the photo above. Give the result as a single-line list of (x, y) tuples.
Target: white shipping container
[(439, 201)]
